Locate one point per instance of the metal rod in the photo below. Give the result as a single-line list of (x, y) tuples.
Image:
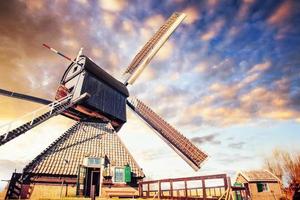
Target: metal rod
[(57, 52), (24, 97)]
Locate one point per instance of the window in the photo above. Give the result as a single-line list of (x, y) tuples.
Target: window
[(262, 187), (94, 161), (119, 175), (75, 69)]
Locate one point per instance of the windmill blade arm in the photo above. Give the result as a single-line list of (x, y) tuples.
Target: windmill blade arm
[(182, 146), (142, 59), (24, 97)]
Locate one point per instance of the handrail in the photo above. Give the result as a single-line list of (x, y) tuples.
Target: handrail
[(5, 128)]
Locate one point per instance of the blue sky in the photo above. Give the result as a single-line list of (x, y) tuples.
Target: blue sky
[(228, 78)]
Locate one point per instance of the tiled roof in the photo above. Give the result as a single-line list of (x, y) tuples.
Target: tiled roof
[(65, 154), (258, 175)]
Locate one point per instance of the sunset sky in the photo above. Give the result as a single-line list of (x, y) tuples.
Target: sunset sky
[(228, 78)]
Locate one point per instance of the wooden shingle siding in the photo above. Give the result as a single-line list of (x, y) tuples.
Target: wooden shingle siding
[(64, 155)]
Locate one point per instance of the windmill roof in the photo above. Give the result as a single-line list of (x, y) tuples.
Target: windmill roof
[(83, 139), (258, 175), (104, 76)]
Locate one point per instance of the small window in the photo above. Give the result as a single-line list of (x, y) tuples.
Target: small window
[(262, 187), (94, 161), (75, 69), (71, 89), (119, 175)]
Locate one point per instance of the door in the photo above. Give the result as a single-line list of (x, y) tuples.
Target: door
[(81, 179), (95, 183)]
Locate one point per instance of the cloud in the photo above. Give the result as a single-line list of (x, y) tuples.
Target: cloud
[(154, 22), (34, 6), (83, 2), (260, 67), (234, 158), (109, 19), (244, 9), (281, 14), (192, 15), (201, 67), (211, 138), (165, 52), (236, 145), (242, 101), (213, 30), (113, 5)]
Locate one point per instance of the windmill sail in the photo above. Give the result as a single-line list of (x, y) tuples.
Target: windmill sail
[(183, 147), (24, 97), (145, 55)]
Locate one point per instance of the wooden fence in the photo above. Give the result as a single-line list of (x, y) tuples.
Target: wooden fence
[(198, 187)]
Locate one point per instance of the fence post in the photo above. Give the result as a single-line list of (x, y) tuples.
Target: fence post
[(140, 189), (171, 189), (185, 189), (203, 188), (148, 191), (159, 189)]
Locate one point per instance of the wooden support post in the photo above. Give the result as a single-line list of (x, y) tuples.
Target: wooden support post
[(203, 189), (148, 191), (225, 182), (171, 189), (159, 190), (140, 189), (185, 190)]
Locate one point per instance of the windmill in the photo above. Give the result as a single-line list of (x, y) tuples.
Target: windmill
[(88, 93)]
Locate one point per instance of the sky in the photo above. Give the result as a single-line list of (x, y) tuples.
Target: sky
[(227, 78)]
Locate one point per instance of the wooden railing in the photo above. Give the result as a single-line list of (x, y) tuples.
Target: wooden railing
[(200, 188)]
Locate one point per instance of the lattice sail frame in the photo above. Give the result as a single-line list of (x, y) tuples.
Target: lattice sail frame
[(182, 146), (142, 59)]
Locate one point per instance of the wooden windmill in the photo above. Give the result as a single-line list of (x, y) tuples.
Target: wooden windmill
[(91, 96)]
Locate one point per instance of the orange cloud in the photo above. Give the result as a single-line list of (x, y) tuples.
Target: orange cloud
[(224, 92), (109, 19), (247, 80), (34, 6), (258, 103), (165, 52), (213, 31), (83, 2), (147, 75), (113, 5), (212, 3), (97, 53), (281, 13), (192, 15), (208, 35), (201, 67), (128, 26), (155, 22), (260, 67)]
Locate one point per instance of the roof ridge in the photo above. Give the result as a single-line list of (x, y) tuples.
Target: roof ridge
[(273, 175)]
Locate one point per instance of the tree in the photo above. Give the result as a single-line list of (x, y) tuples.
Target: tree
[(285, 165)]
